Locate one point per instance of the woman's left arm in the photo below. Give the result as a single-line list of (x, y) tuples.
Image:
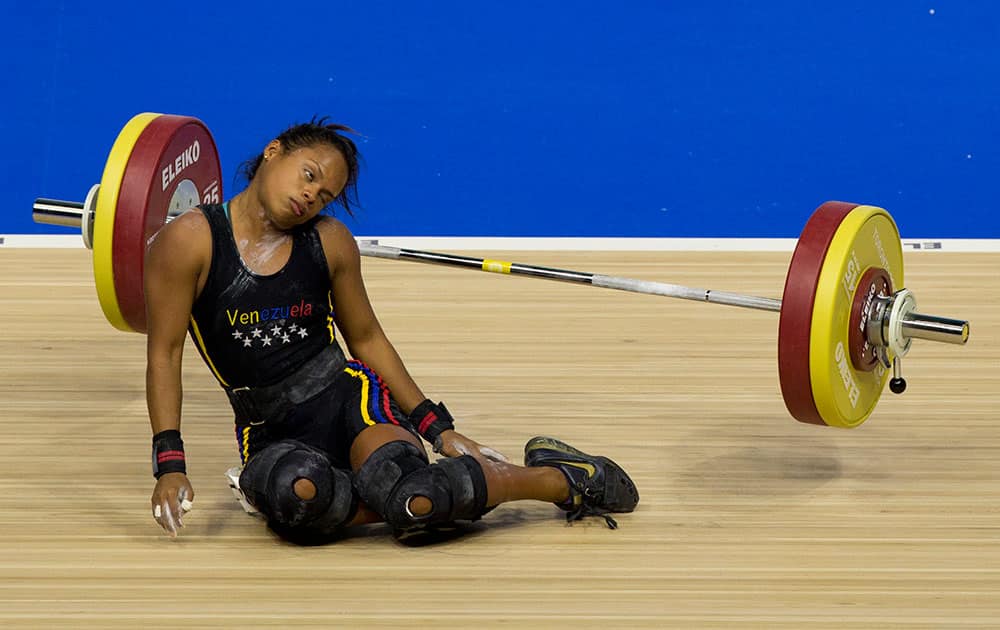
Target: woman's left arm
[(368, 343), (362, 332)]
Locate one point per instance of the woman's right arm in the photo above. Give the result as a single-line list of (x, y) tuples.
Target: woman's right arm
[(175, 265)]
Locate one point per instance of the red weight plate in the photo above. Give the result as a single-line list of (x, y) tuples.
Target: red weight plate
[(874, 283), (173, 167), (795, 322)]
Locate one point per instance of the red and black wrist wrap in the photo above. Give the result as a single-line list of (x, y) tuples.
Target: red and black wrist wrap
[(168, 453), (431, 419)]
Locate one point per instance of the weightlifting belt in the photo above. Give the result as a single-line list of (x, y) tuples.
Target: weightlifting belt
[(257, 405)]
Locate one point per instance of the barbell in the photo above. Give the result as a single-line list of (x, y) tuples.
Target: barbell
[(845, 320)]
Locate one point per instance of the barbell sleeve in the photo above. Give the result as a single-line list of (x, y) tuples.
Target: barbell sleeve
[(57, 212), (934, 328)]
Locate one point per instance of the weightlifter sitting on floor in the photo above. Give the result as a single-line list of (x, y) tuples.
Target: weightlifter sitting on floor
[(259, 283)]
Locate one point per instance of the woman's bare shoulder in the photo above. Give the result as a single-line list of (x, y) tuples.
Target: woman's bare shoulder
[(188, 236), (337, 239)]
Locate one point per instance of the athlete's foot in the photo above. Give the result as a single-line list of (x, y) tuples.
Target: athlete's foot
[(597, 485)]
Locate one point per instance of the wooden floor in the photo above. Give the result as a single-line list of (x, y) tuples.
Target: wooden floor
[(747, 518)]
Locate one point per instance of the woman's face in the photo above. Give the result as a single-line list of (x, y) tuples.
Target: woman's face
[(295, 185)]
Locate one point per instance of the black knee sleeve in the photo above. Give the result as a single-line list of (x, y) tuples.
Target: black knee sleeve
[(268, 481), (398, 471)]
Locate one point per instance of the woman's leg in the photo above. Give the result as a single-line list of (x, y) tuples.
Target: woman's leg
[(504, 482), (395, 479)]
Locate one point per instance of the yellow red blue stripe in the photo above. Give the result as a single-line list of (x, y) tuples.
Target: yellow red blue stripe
[(244, 439), (376, 406)]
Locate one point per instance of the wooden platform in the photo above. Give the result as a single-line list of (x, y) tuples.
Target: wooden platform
[(747, 518)]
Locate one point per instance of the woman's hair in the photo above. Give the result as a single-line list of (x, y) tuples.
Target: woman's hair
[(318, 131)]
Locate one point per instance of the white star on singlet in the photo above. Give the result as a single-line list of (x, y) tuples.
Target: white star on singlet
[(267, 341), (285, 339), (303, 333), (276, 330), (247, 342), (293, 328), (256, 333), (237, 334)]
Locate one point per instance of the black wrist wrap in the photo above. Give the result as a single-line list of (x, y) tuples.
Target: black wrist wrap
[(431, 419), (168, 453)]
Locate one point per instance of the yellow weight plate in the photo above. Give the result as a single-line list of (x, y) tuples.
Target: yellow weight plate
[(866, 238), (104, 217)]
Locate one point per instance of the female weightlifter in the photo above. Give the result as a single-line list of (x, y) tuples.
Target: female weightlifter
[(326, 442)]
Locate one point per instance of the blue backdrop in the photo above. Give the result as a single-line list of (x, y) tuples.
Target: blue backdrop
[(586, 118)]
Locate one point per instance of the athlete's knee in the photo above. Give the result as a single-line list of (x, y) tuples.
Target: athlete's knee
[(374, 437), (297, 489), (398, 483), (304, 489)]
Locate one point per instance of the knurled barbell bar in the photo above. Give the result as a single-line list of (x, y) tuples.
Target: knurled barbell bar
[(844, 326)]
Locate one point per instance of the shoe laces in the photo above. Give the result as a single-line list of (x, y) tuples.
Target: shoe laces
[(584, 510)]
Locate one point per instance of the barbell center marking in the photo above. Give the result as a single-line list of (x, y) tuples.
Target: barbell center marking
[(496, 266)]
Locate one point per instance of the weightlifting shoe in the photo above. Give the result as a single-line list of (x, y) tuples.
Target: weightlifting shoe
[(597, 485), (233, 477)]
